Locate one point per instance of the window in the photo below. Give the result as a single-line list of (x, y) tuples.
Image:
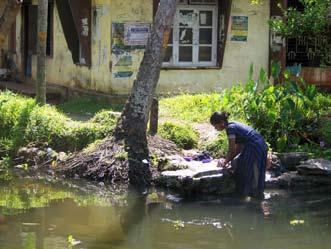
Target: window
[(193, 39)]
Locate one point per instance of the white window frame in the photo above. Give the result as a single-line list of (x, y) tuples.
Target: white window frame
[(195, 46)]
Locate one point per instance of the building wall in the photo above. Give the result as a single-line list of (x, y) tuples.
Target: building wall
[(100, 77), (237, 58)]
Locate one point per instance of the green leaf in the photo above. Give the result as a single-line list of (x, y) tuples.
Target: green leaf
[(263, 78), (275, 69), (251, 71), (287, 74)]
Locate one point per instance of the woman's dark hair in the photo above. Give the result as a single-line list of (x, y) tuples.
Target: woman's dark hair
[(218, 117)]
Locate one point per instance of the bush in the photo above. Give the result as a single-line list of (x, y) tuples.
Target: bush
[(22, 121), (287, 115), (46, 124), (14, 113), (184, 136), (325, 130), (106, 119)]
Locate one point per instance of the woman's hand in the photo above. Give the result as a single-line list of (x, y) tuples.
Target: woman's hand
[(221, 163)]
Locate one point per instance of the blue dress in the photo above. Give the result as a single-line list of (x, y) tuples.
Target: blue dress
[(251, 162)]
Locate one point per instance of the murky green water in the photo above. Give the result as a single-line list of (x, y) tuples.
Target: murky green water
[(43, 215)]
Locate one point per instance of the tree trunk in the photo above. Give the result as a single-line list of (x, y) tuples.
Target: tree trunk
[(41, 50), (154, 117), (7, 17), (132, 125)]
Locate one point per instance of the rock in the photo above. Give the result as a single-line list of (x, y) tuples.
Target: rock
[(199, 177), (291, 159), (276, 166), (315, 167), (206, 178), (294, 180), (173, 162), (28, 155), (62, 156)]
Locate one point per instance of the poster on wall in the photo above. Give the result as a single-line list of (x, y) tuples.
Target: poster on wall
[(136, 34), (128, 41), (239, 28), (117, 41), (122, 74), (123, 66)]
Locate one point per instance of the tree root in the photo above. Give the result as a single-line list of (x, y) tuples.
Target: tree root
[(108, 161)]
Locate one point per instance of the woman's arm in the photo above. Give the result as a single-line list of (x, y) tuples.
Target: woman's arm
[(231, 151)]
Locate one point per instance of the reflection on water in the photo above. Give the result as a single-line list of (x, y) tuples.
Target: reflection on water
[(38, 215)]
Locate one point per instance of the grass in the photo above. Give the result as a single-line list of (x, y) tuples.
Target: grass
[(188, 107), (88, 106)]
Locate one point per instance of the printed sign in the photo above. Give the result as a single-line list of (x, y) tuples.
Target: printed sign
[(136, 33), (128, 42), (239, 28)]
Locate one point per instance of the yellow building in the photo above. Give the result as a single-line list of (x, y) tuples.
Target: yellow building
[(98, 44)]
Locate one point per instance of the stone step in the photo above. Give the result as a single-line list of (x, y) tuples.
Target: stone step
[(198, 178), (207, 178)]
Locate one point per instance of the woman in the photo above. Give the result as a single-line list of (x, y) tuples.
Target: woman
[(250, 161)]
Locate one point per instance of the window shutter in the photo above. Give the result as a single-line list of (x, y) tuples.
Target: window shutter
[(33, 29), (75, 16), (12, 38), (223, 24), (81, 12), (68, 27)]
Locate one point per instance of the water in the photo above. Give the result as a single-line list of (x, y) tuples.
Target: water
[(36, 215)]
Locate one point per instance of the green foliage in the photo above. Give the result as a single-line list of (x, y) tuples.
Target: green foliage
[(79, 135), (183, 135), (29, 240), (287, 115), (107, 119), (22, 121), (5, 145), (45, 124), (315, 151), (310, 23), (325, 129), (14, 112), (70, 241)]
